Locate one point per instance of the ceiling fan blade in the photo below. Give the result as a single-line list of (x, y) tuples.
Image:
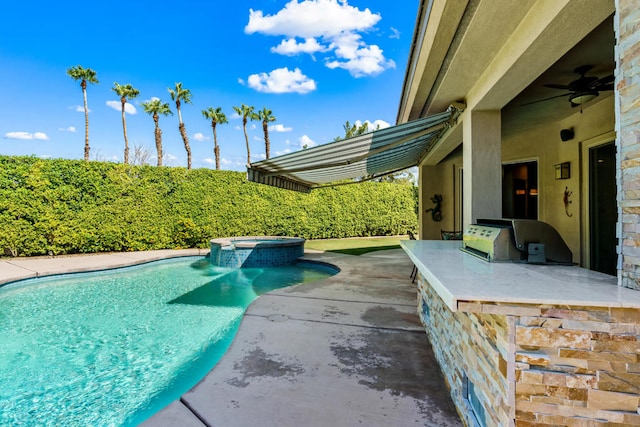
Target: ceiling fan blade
[(605, 83), (545, 99), (583, 83)]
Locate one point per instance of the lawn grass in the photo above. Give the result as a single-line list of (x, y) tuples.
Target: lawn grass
[(355, 245)]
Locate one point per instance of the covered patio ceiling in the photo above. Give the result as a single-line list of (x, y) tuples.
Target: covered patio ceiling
[(506, 67), (473, 59), (367, 156)]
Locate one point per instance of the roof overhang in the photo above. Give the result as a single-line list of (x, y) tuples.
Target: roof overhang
[(459, 52), (367, 156)]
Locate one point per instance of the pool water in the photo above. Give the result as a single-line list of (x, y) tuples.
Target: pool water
[(112, 348)]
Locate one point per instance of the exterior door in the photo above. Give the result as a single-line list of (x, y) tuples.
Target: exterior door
[(520, 190), (602, 208)]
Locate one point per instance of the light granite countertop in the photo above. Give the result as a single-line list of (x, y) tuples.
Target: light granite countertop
[(459, 277)]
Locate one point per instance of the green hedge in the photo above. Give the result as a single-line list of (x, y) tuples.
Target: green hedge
[(68, 206)]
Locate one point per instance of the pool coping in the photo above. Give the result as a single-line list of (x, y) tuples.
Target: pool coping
[(257, 241), (16, 269)]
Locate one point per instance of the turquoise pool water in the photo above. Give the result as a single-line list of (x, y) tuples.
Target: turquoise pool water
[(112, 348)]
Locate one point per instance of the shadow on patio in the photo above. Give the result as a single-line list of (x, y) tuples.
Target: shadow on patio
[(347, 350)]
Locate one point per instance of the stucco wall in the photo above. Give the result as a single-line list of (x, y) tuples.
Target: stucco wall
[(544, 145), (436, 180)]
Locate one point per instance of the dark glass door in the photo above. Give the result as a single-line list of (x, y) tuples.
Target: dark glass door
[(602, 208), (520, 190)]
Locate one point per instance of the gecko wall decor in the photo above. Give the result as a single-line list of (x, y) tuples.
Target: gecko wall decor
[(567, 201), (436, 213)]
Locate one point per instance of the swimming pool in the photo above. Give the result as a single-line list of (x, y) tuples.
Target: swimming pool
[(114, 347)]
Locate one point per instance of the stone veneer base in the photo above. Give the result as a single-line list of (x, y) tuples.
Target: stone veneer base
[(537, 364)]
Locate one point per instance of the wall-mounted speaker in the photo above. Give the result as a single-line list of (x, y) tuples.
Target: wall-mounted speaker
[(566, 134)]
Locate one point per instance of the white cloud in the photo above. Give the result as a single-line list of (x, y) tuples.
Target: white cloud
[(279, 128), (79, 109), (117, 105), (199, 136), (208, 161), (281, 80), (356, 57), (291, 47), (311, 18), (377, 124), (306, 141), (27, 135), (68, 129), (395, 34), (325, 26)]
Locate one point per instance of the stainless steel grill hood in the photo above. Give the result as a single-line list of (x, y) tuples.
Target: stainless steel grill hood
[(520, 240)]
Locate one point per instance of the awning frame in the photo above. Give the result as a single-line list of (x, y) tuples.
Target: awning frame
[(282, 173)]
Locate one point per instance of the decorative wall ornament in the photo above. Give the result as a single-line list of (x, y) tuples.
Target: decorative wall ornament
[(436, 213), (566, 199)]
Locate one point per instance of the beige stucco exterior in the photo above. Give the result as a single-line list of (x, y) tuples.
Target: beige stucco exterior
[(594, 125)]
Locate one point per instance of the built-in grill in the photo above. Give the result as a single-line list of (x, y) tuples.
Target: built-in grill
[(519, 240)]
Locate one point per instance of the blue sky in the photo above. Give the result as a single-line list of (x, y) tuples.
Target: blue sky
[(314, 63)]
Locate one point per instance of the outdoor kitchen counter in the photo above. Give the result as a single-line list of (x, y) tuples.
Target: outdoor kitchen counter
[(460, 278)]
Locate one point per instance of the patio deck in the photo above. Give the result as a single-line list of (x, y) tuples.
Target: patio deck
[(344, 351)]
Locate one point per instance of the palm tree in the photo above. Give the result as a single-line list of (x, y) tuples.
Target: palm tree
[(154, 108), (126, 91), (265, 115), (84, 75), (181, 94), (216, 116), (245, 111)]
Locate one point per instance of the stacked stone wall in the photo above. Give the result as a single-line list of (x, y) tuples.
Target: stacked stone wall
[(538, 365), (627, 28), (472, 345)]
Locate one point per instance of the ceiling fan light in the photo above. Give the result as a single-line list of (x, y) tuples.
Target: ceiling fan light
[(582, 97)]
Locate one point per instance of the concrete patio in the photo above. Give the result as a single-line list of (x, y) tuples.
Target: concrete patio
[(348, 350)]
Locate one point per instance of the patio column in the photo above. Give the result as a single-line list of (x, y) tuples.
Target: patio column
[(482, 162)]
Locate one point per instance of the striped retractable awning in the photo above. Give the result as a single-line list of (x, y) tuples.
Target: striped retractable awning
[(370, 155)]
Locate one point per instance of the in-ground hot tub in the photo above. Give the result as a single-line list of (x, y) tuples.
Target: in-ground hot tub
[(252, 252)]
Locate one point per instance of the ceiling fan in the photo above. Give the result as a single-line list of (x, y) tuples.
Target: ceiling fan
[(583, 89)]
